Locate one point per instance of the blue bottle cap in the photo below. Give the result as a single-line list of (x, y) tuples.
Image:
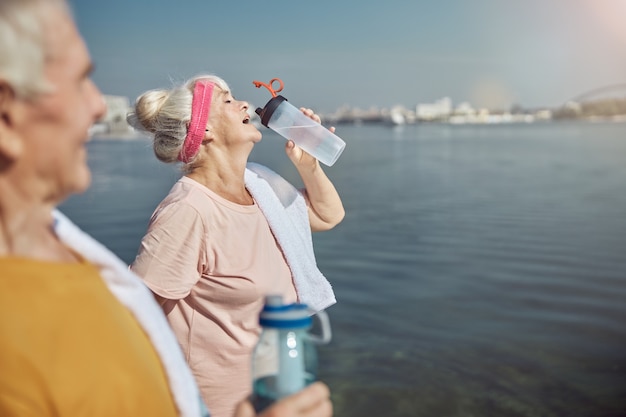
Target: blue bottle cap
[(275, 314)]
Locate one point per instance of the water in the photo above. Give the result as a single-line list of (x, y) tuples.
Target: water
[(480, 270)]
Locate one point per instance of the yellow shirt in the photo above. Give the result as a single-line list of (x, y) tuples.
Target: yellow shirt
[(69, 348)]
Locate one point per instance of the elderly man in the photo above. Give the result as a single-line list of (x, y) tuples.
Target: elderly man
[(79, 334)]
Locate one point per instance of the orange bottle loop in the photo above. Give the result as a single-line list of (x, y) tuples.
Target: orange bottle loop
[(259, 84)]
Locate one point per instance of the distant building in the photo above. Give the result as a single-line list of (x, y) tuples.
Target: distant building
[(464, 109), (439, 110), (114, 121)]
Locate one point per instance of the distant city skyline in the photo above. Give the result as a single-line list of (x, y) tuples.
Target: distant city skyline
[(491, 53)]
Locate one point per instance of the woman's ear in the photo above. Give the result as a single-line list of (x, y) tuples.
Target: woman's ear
[(208, 135)]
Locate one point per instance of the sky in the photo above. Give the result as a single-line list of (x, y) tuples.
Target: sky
[(333, 53)]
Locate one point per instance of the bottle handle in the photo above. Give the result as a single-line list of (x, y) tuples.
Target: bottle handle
[(273, 91), (326, 334)]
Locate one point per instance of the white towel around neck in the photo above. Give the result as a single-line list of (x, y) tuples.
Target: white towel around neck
[(286, 212), (130, 290)]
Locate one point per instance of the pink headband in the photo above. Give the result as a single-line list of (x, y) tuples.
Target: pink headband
[(200, 106)]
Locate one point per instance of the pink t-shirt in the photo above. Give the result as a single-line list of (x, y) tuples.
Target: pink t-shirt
[(215, 260)]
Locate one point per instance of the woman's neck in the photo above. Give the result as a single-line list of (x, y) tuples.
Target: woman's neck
[(225, 181)]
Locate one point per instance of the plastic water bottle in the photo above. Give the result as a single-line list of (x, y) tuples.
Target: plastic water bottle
[(289, 122), (285, 358)]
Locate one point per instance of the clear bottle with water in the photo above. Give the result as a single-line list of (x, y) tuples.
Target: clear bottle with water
[(285, 359), (289, 122)]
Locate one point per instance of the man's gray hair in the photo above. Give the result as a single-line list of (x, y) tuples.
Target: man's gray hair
[(23, 50)]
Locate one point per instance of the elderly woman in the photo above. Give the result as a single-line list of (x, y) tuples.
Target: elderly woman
[(80, 335), (228, 233)]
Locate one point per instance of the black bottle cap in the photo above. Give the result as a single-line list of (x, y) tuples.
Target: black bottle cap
[(266, 112)]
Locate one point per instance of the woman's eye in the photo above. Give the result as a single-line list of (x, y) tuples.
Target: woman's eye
[(228, 101)]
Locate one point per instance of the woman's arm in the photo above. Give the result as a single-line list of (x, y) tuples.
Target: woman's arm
[(325, 206), (171, 253)]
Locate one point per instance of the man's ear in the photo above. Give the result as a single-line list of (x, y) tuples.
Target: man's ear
[(10, 141)]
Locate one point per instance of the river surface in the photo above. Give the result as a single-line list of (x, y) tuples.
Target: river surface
[(480, 270)]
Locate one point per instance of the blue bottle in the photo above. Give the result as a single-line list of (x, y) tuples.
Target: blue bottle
[(285, 359)]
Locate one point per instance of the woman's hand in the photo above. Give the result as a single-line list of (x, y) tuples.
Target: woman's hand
[(323, 201), (295, 153), (312, 401)]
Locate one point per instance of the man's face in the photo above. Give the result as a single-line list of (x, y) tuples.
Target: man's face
[(55, 125)]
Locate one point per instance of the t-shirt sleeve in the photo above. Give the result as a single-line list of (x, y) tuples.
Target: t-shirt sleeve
[(172, 254)]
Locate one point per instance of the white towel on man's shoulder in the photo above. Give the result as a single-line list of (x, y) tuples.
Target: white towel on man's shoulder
[(130, 290), (286, 212)]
